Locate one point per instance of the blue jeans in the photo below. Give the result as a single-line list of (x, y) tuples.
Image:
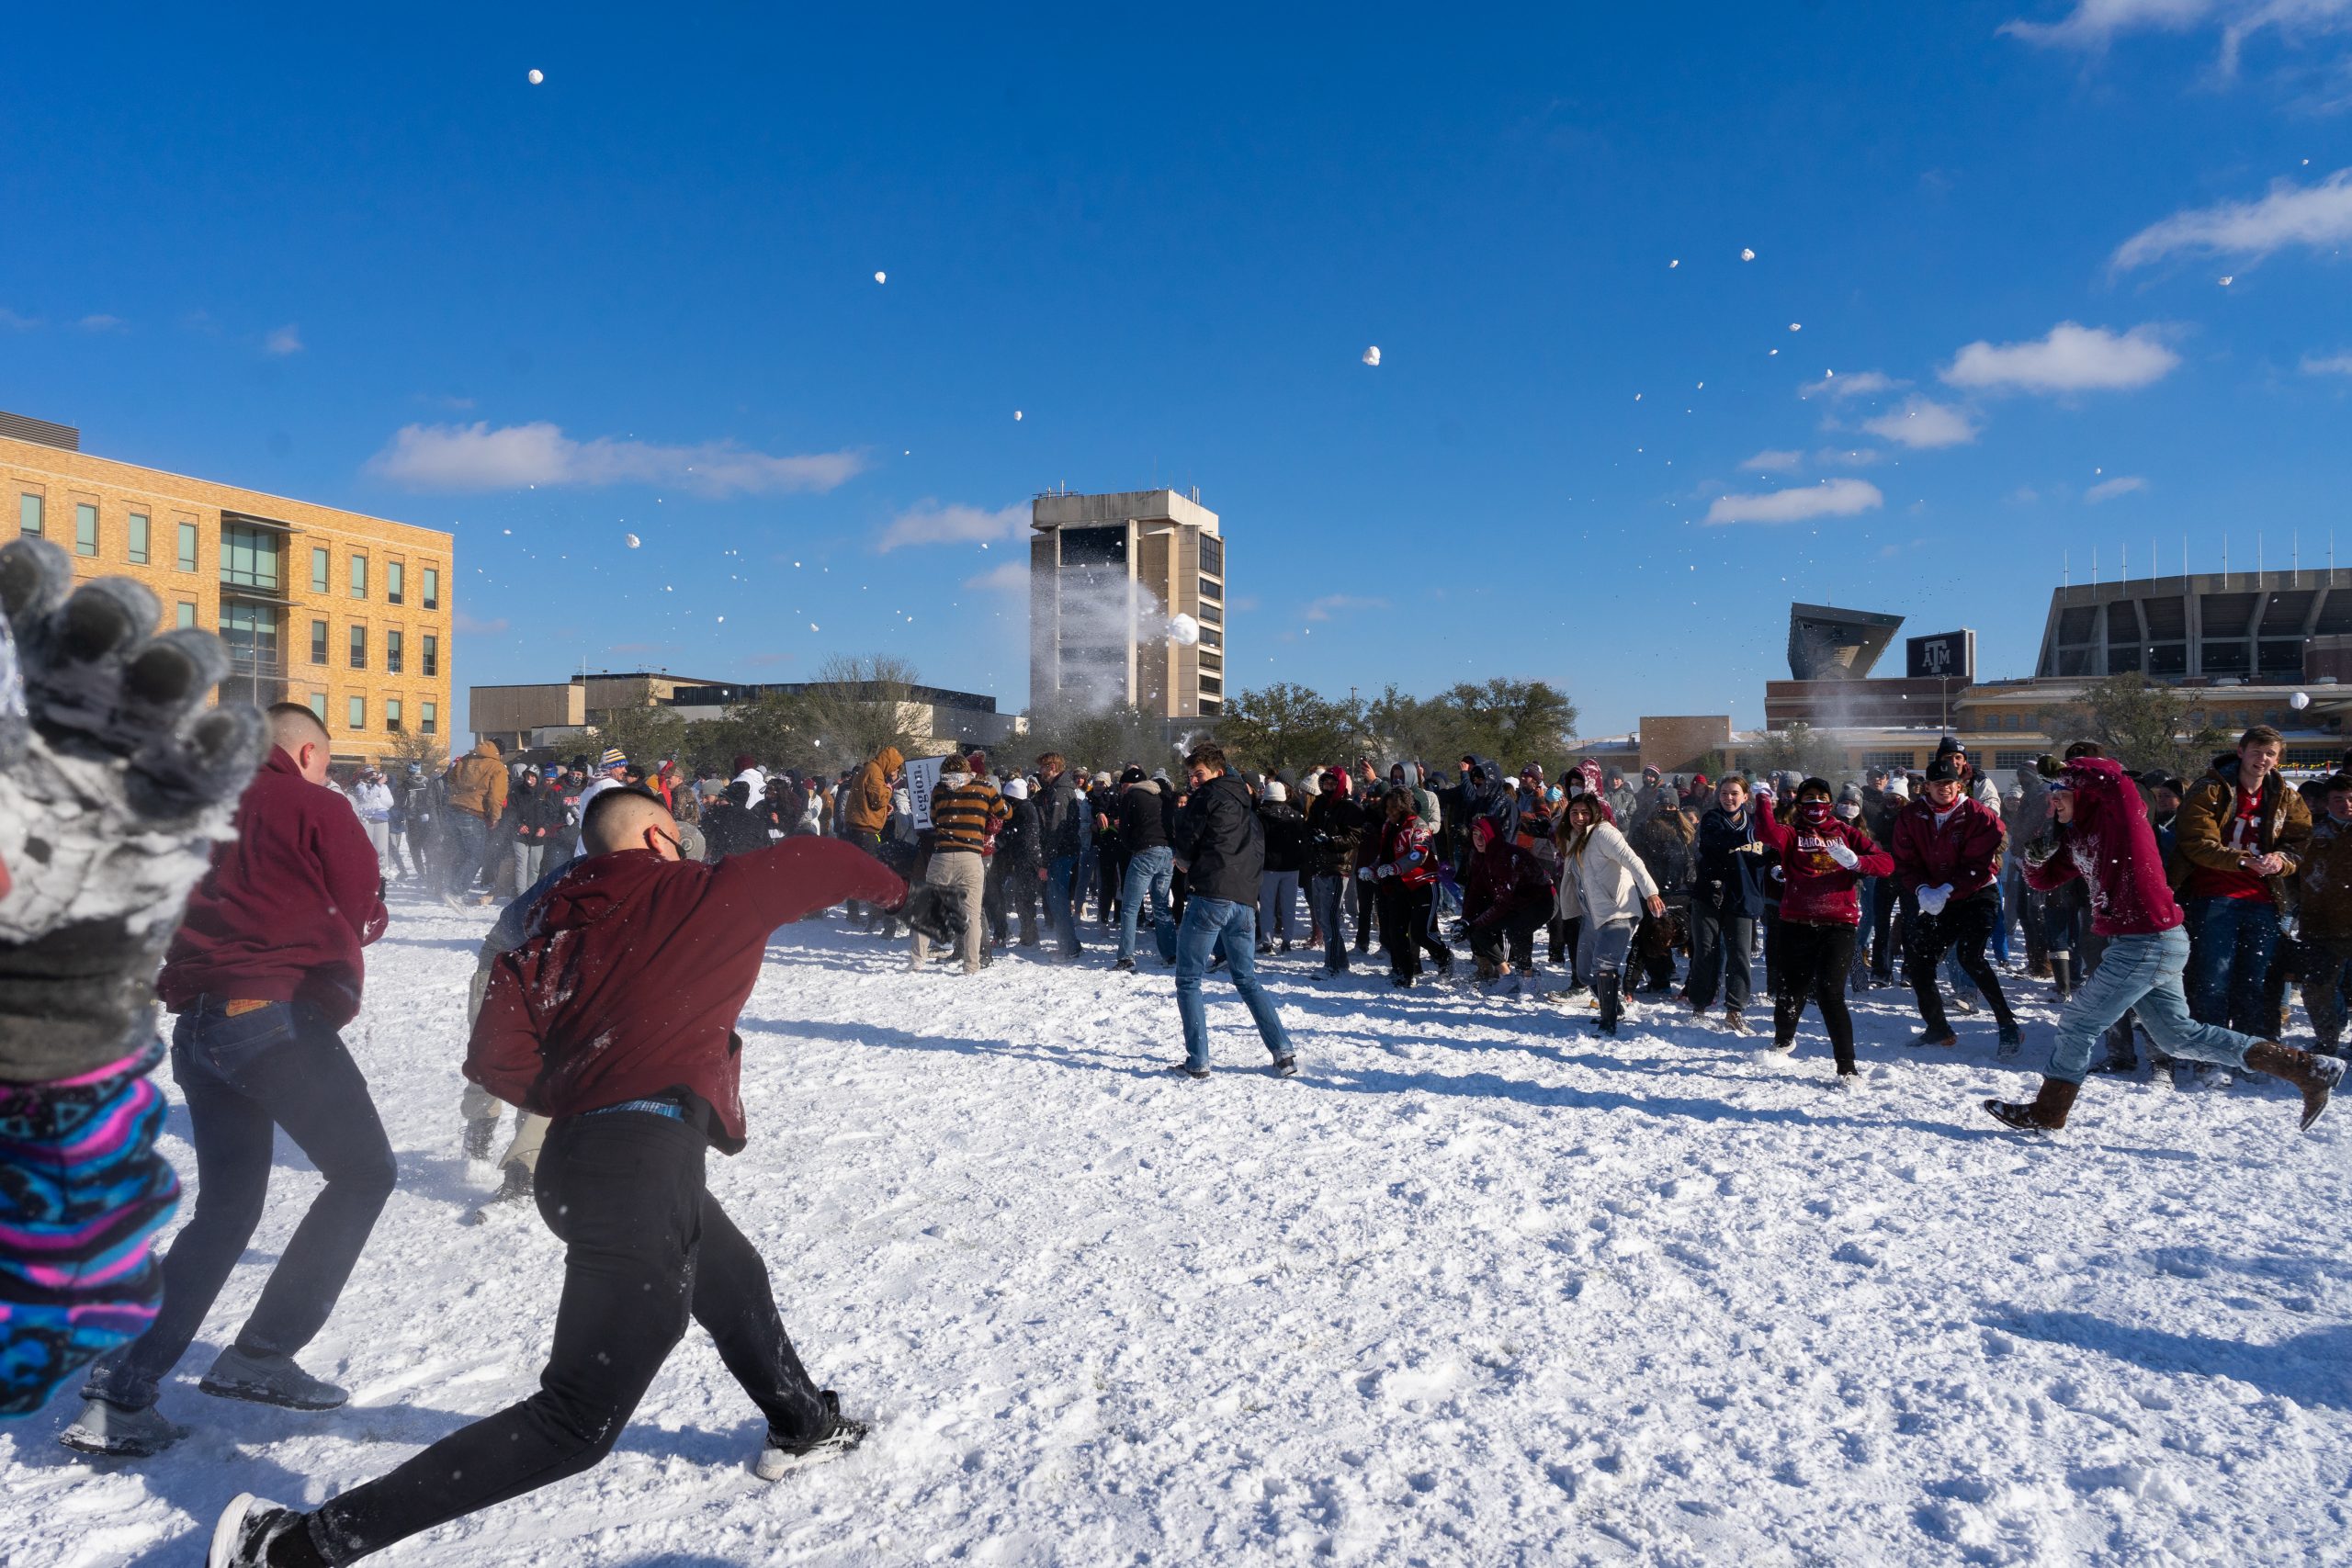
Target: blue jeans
[(2236, 938), (1213, 926), (1149, 873), (469, 838), (1329, 894), (1060, 881), (2141, 972)]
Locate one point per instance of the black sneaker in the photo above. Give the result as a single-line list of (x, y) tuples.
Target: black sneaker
[(781, 1456), (1124, 967), (1284, 1067), (1189, 1071), (269, 1380)]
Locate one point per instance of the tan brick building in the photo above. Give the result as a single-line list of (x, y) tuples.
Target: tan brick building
[(347, 613)]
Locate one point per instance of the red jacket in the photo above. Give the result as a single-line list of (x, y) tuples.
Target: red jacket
[(1965, 851), (286, 907), (1819, 891), (2112, 845), (635, 969)]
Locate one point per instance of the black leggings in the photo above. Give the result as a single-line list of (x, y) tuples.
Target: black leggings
[(1966, 925), (1814, 962), (1405, 924)]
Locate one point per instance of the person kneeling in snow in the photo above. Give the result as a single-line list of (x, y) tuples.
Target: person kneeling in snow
[(615, 1018), (2101, 834)]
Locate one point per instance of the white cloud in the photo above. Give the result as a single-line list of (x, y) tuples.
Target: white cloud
[(2072, 358), (2122, 484), (1831, 498), (2093, 25), (2327, 364), (2319, 216), (1848, 457), (1332, 604), (932, 523), (1860, 384), (476, 458), (1923, 424), (1770, 462), (104, 323), (285, 340), (1012, 577), (11, 321)]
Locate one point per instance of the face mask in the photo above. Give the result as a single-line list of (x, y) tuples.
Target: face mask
[(1850, 811), (1813, 813)]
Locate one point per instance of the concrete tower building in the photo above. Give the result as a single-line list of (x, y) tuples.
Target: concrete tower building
[(1106, 573)]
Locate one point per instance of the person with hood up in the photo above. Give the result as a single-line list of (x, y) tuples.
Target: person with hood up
[(1404, 873), (1147, 810), (2102, 837), (1623, 803), (1286, 830), (2242, 832), (1726, 895), (1947, 854), (1505, 899), (1013, 870), (533, 817), (1223, 850), (477, 799), (1334, 834), (1823, 858), (865, 810), (1604, 884), (965, 812)]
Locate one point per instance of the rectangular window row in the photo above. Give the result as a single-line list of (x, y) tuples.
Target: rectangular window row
[(428, 649), (395, 578), (354, 714)]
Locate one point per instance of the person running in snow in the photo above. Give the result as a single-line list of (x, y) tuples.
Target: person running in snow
[(1823, 858), (2101, 836), (1219, 844), (638, 1064), (1604, 886), (1947, 860), (264, 974)]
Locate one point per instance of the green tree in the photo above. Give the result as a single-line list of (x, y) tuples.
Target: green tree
[(1101, 739), (1286, 727), (644, 734), (426, 751), (2141, 723), (1513, 721)]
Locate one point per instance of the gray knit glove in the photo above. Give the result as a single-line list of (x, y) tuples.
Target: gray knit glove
[(115, 783)]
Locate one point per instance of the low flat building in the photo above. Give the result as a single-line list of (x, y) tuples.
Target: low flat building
[(553, 716), (937, 718)]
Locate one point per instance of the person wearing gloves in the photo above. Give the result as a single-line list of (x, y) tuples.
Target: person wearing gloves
[(2101, 836), (1825, 858), (1947, 854), (1604, 884), (1404, 875)]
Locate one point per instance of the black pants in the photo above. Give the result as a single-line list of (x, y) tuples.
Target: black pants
[(1510, 942), (1883, 906), (1722, 947), (1814, 961), (871, 842), (1404, 921), (1009, 889), (1964, 925), (644, 1247), (278, 1065), (1654, 950), (1367, 903)]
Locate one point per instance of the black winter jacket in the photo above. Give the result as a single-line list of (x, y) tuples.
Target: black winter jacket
[(1145, 811), (1219, 843), (1057, 817), (1286, 832), (1016, 841), (1334, 827), (731, 829)]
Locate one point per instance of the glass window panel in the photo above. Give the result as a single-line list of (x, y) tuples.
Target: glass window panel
[(188, 547), (187, 614), (392, 652), (359, 577), (140, 530), (358, 712), (318, 569), (395, 576), (85, 528), (28, 514), (429, 718), (318, 642), (359, 648), (432, 588)]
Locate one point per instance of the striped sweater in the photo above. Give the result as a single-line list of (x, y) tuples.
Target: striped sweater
[(966, 817)]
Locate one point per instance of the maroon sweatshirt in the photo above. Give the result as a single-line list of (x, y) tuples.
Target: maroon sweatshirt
[(1818, 891), (636, 968), (1965, 851), (2112, 846), (288, 905)]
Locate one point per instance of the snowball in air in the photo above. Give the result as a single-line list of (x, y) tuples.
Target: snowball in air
[(2229, 279), (1797, 326), (881, 277), (1674, 263), (1183, 630), (1372, 354), (1016, 413), (631, 540), (537, 76), (1747, 254), (2300, 701)]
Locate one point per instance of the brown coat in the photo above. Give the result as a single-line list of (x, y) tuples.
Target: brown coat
[(478, 784), (2284, 827), (867, 806)]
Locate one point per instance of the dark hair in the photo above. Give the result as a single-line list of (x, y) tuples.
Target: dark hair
[(606, 803), (1207, 754), (2082, 749), (2260, 734), (2338, 780)]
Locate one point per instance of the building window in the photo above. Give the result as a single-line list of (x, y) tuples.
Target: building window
[(2015, 758), (85, 528), (392, 653), (318, 642), (359, 577), (392, 715), (318, 705), (248, 556), (395, 580), (431, 655), (29, 514), (318, 569), (432, 588), (1902, 760), (250, 632), (140, 529), (427, 720), (359, 648), (187, 614), (188, 547), (1213, 556), (358, 714)]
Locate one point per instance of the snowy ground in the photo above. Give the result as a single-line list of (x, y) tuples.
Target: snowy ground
[(1478, 1286)]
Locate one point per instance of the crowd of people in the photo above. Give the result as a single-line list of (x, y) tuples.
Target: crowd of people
[(2155, 909)]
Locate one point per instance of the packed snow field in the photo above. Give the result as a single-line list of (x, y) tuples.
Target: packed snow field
[(1478, 1286)]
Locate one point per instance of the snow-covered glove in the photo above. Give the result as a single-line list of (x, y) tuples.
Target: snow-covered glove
[(1932, 899), (1386, 872), (934, 914), (115, 783), (1363, 874), (1837, 850)]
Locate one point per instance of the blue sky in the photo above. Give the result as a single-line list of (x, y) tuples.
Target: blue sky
[(362, 260)]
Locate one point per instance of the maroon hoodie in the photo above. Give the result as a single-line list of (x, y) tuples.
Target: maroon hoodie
[(1818, 891), (2112, 846), (636, 968), (288, 905), (1965, 851)]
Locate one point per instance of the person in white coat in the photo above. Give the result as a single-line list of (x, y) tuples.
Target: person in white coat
[(1603, 883), (372, 798)]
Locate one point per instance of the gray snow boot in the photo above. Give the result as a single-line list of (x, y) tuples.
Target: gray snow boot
[(269, 1380), (113, 1431)]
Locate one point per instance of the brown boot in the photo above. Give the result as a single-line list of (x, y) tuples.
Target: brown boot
[(2045, 1113), (2316, 1076)]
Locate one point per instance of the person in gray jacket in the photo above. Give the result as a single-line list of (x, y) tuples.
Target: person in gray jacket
[(1222, 849)]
